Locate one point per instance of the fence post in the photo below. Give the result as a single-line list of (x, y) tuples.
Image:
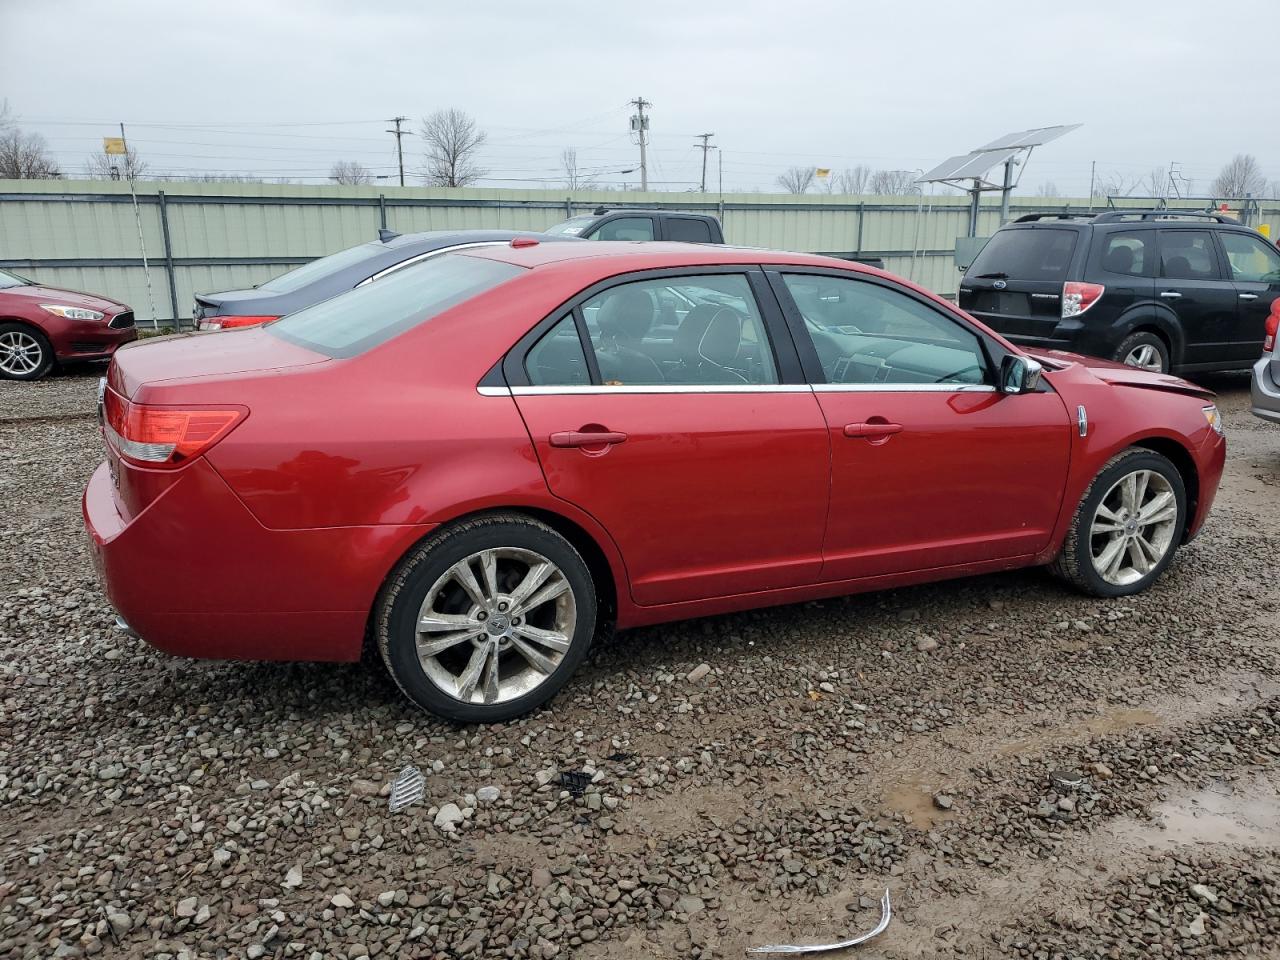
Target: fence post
[(168, 260), (382, 210), (861, 215)]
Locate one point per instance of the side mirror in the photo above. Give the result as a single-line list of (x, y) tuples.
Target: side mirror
[(1019, 374)]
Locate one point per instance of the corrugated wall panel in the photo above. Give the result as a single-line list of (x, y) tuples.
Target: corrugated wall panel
[(244, 221)]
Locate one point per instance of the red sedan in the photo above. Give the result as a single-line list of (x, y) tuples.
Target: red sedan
[(481, 461), (41, 326)]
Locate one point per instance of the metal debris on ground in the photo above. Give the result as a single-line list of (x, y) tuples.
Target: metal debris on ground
[(407, 789), (1067, 779), (575, 781), (886, 913)]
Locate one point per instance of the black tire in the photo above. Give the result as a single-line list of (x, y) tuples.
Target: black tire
[(398, 606), (46, 358), (1144, 338), (1074, 563)]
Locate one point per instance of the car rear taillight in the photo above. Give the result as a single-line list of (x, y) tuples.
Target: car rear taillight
[(1079, 297), (164, 437), (229, 323), (1273, 322)]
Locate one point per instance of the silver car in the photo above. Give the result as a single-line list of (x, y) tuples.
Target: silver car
[(1266, 375)]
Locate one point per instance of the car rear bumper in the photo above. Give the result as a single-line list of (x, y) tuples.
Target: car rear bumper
[(195, 574), (1264, 391)]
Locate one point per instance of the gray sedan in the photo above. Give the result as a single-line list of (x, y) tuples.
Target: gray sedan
[(1266, 386), (339, 272)]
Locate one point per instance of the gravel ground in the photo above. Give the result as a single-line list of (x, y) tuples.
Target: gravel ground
[(162, 808)]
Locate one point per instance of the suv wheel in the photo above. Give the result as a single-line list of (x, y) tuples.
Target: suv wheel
[(487, 619), (1144, 350), (1127, 527)]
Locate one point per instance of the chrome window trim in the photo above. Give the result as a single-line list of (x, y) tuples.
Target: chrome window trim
[(903, 388), (428, 255), (695, 388)]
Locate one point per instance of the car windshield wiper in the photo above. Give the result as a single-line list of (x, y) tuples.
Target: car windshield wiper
[(992, 276)]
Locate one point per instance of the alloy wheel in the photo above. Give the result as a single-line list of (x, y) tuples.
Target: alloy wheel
[(1145, 356), (20, 353), (1133, 527), (496, 625)]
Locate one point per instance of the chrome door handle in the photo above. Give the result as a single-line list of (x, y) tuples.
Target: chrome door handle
[(1171, 295), (586, 438), (1248, 296)]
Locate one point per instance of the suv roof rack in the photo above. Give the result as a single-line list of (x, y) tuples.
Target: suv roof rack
[(1112, 215), (1033, 217)]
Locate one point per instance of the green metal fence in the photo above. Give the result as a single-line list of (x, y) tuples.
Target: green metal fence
[(208, 237)]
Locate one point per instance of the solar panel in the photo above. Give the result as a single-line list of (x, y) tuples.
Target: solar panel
[(1029, 138), (969, 166)]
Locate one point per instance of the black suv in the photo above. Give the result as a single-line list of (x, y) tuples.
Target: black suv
[(1160, 289)]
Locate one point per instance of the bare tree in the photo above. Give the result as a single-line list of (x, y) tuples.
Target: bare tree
[(1115, 184), (797, 179), (852, 180), (350, 172), (1242, 177), (574, 178), (127, 166), (1048, 190), (25, 156), (1156, 182), (893, 183), (452, 140), (6, 117)]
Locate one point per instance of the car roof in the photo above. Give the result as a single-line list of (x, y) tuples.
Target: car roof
[(622, 256)]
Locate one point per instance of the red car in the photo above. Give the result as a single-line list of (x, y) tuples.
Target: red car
[(41, 326), (482, 460)]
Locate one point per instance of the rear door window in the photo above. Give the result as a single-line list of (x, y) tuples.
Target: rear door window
[(626, 228), (1128, 252), (353, 322), (688, 230), (1038, 254), (1188, 255)]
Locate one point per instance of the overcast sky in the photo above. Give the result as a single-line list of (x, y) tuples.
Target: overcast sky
[(286, 87)]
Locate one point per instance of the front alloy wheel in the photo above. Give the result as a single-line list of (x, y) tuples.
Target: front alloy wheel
[(1127, 527), (487, 619), (24, 353)]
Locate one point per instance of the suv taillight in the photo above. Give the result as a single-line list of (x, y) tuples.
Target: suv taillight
[(1079, 297), (164, 437), (1273, 323)]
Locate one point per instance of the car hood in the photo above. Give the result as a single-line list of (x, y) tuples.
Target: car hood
[(193, 357), (38, 294), (1120, 374)]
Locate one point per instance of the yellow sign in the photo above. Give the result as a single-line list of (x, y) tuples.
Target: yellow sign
[(823, 172), (113, 145)]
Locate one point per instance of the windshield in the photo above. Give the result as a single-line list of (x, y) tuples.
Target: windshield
[(571, 227), (353, 322), (299, 277), (11, 280), (1037, 253)]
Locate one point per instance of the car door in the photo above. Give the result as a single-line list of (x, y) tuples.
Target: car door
[(1191, 283), (931, 466), (1254, 265), (702, 452)]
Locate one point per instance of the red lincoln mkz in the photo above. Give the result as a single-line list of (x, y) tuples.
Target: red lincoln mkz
[(481, 460)]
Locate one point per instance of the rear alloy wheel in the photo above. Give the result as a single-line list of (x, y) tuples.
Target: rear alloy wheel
[(1127, 527), (24, 353), (1145, 351), (487, 619)]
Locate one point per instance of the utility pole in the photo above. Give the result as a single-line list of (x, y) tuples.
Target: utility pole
[(398, 133), (704, 146), (1093, 172), (640, 124)]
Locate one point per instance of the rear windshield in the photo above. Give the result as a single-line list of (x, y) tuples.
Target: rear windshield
[(571, 227), (299, 277), (353, 322), (1027, 254)]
